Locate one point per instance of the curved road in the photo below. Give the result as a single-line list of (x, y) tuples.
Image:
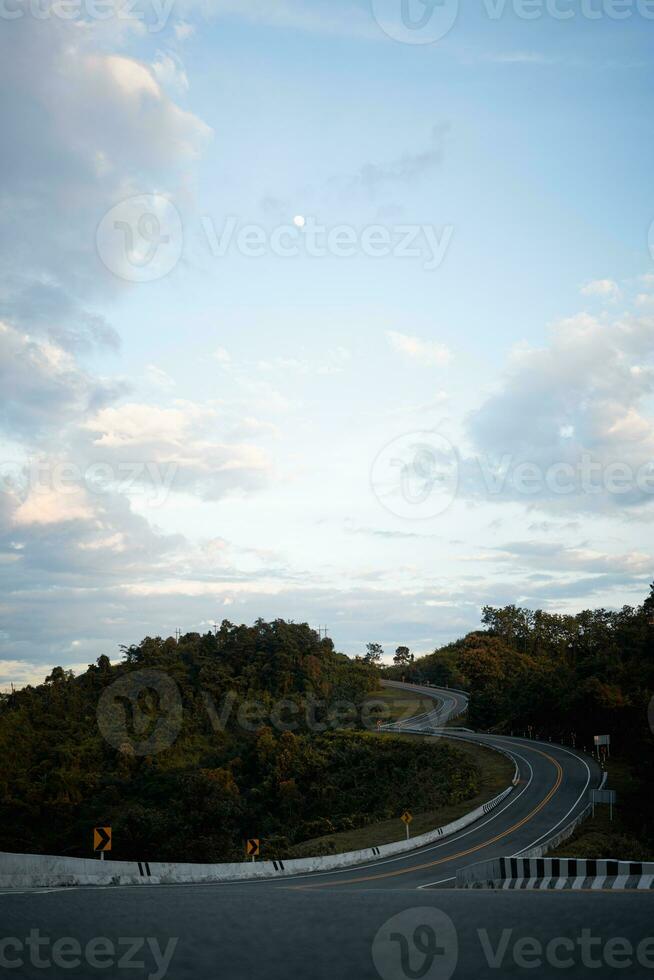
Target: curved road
[(552, 789), (395, 919)]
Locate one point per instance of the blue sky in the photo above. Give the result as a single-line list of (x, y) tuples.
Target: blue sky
[(376, 441)]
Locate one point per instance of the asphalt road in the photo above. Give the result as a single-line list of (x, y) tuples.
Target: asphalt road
[(237, 933), (397, 919), (552, 789)]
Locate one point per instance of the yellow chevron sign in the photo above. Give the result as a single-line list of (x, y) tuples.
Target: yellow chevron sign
[(102, 839)]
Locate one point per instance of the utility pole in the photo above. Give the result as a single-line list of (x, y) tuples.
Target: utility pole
[(321, 630), (178, 633)]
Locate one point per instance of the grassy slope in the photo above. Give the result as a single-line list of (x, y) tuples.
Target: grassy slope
[(496, 773), (598, 837), (400, 705)]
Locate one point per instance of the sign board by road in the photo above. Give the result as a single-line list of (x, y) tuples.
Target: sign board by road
[(102, 839), (603, 796), (406, 819), (602, 739), (252, 847)]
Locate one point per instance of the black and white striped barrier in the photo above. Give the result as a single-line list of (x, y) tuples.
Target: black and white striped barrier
[(558, 874)]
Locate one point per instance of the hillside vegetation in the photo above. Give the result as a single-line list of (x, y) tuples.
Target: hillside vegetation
[(265, 738)]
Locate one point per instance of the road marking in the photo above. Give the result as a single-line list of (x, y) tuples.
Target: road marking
[(38, 891), (574, 805), (432, 884), (460, 854)]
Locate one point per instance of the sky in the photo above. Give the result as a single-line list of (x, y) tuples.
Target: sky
[(340, 312)]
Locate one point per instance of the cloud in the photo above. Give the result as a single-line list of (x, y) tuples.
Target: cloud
[(170, 73), (582, 399), (222, 356), (634, 565), (44, 388), (426, 352), (185, 447), (90, 128), (404, 169), (183, 30), (604, 288), (159, 378)]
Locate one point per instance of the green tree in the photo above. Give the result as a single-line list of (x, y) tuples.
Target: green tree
[(403, 657), (374, 654)]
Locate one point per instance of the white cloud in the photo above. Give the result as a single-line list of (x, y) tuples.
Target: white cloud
[(604, 288), (183, 30), (50, 506), (426, 352), (170, 72), (159, 378), (222, 356), (587, 393), (187, 447), (43, 387)]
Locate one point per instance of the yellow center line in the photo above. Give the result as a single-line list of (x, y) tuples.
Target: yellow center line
[(453, 857)]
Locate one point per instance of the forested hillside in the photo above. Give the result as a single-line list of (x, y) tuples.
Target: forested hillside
[(264, 737)]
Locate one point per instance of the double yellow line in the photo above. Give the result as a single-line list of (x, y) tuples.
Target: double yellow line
[(461, 854)]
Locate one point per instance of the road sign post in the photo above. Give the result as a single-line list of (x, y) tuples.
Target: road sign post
[(406, 819), (608, 796), (253, 848), (102, 840)]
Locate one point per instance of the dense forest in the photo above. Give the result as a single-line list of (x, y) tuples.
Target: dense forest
[(562, 677), (264, 735)]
